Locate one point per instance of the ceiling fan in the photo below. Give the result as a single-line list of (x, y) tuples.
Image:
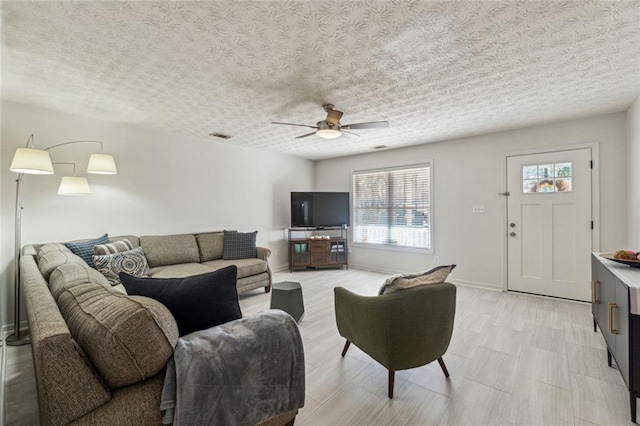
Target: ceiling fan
[(331, 128)]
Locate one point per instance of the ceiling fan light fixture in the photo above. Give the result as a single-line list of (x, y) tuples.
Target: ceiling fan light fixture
[(329, 133), (331, 128)]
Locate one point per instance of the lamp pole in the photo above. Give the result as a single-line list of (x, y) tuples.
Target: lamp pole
[(16, 339)]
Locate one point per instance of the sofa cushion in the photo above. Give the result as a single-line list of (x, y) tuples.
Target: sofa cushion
[(84, 249), (58, 285), (132, 262), (113, 247), (45, 248), (210, 245), (50, 256), (134, 240), (239, 245), (127, 339), (198, 302), (170, 249), (246, 267), (179, 271), (436, 275)]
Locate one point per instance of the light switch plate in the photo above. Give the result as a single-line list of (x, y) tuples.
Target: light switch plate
[(477, 209)]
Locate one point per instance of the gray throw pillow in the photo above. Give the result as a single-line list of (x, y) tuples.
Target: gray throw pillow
[(436, 275), (239, 245)]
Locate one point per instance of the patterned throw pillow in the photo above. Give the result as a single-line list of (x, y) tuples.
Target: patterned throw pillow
[(132, 262), (239, 245), (115, 247), (436, 275), (84, 249)]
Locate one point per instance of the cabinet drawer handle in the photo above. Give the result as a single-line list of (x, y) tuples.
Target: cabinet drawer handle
[(610, 307), (594, 293)]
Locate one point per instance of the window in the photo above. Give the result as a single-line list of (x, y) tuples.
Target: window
[(547, 178), (392, 207)]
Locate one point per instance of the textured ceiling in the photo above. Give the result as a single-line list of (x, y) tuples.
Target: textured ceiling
[(434, 69)]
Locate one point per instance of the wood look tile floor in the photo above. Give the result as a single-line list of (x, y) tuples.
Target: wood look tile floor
[(514, 360)]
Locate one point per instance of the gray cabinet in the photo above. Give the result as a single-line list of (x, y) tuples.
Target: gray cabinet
[(610, 306)]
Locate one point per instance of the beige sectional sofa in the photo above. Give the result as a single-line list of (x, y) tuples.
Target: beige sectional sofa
[(100, 354), (182, 255)]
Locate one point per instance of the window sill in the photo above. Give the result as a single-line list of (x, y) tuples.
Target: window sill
[(392, 247)]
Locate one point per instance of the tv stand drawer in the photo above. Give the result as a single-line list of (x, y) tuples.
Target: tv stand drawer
[(319, 259), (318, 246)]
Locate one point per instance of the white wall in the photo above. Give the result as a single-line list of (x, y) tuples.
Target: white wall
[(2, 284), (470, 171), (633, 179), (166, 184)]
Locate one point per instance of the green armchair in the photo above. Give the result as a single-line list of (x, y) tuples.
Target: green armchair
[(400, 330)]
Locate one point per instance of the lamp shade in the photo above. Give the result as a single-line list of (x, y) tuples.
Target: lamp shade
[(102, 164), (329, 133), (74, 185), (32, 161)]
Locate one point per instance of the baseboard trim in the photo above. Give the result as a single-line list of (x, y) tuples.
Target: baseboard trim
[(476, 284), (3, 382), (366, 268), (281, 268), (465, 283), (8, 329)]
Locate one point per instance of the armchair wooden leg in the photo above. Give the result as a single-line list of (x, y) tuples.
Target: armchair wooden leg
[(392, 375), (444, 367), (267, 289), (346, 346)]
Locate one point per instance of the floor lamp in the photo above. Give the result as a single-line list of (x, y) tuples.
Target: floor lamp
[(30, 160)]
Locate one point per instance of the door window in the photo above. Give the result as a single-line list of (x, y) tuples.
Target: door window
[(547, 178)]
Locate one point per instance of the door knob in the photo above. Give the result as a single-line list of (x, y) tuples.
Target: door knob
[(512, 234)]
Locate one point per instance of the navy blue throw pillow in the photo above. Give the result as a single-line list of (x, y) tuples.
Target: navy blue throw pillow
[(196, 303), (84, 249)]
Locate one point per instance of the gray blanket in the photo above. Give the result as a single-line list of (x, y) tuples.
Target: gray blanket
[(239, 373)]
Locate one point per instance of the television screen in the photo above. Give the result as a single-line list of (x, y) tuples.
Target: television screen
[(319, 209)]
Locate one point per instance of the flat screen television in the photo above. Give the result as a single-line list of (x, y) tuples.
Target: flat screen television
[(319, 209)]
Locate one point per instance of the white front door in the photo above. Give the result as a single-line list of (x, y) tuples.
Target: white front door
[(549, 223)]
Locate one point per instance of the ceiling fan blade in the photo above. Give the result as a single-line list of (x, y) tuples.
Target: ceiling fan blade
[(347, 133), (333, 116), (293, 124), (304, 136), (369, 125)]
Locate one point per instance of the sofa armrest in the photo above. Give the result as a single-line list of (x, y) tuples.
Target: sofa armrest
[(263, 253), (68, 386), (364, 321)]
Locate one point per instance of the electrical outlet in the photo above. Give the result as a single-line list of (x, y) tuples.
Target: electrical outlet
[(436, 259), (477, 209)]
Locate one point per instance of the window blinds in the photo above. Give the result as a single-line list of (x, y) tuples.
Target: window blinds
[(393, 206)]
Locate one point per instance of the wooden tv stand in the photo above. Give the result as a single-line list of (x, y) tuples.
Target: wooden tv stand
[(315, 252)]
